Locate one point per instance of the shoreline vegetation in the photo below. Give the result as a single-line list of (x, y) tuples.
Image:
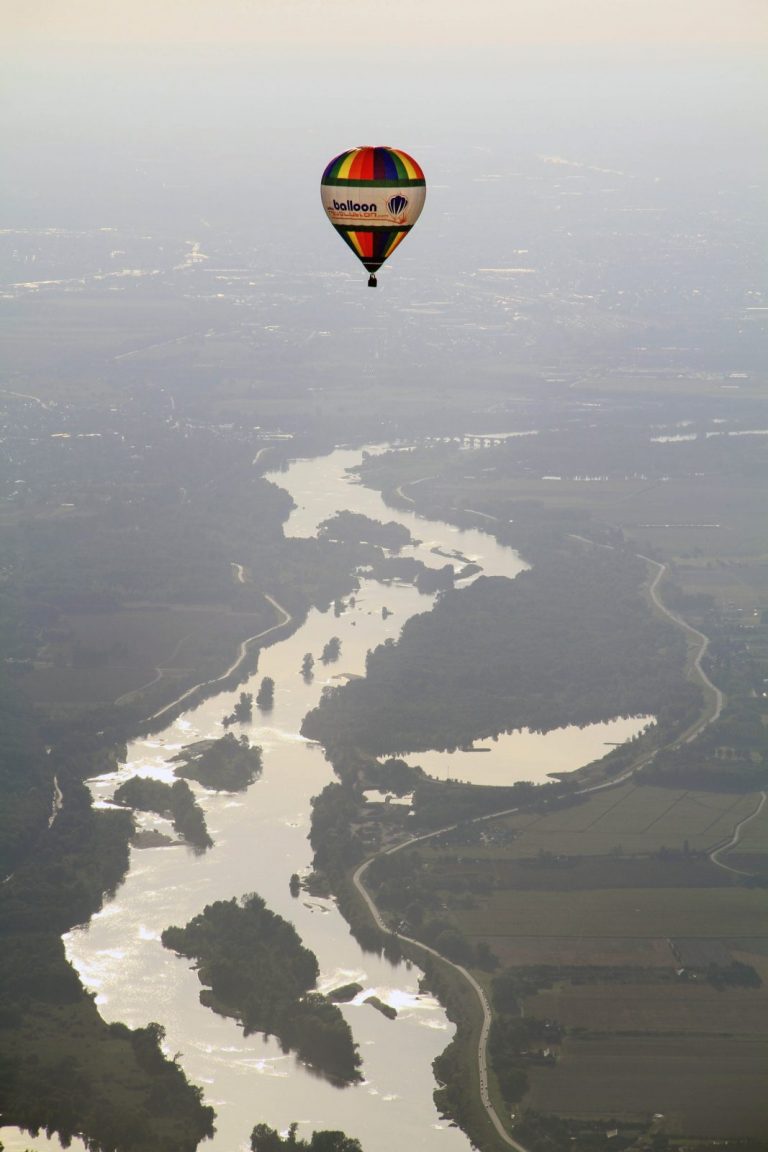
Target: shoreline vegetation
[(254, 968), (266, 1139), (174, 800), (571, 642)]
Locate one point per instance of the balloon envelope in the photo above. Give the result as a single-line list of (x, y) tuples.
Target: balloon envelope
[(373, 197)]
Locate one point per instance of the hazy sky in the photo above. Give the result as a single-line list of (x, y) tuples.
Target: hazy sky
[(163, 110), (313, 23)]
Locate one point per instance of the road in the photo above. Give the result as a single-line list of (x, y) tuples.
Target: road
[(700, 638), (482, 1046)]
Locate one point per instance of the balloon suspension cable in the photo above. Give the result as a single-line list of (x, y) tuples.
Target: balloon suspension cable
[(372, 282)]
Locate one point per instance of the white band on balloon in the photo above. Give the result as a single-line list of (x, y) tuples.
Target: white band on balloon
[(362, 205)]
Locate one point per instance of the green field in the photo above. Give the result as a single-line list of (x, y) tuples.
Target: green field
[(582, 951), (707, 1087), (658, 912), (138, 655), (681, 1007)]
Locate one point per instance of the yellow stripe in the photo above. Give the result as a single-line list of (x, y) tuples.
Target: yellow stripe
[(358, 247), (400, 236), (343, 173)]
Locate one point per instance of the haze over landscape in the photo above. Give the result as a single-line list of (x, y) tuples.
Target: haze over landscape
[(294, 574)]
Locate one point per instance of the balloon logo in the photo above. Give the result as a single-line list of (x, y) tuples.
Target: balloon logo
[(396, 206), (362, 194)]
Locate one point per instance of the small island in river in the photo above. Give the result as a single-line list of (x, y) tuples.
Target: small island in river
[(227, 764), (175, 800), (256, 969)]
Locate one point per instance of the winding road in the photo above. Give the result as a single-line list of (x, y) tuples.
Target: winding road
[(703, 642), (715, 855)]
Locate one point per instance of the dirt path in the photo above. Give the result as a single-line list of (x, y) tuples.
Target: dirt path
[(242, 652), (399, 490), (160, 671)]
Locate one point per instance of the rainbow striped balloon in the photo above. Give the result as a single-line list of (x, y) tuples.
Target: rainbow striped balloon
[(373, 197)]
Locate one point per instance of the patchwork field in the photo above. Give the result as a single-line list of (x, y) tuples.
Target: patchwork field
[(636, 819), (616, 903)]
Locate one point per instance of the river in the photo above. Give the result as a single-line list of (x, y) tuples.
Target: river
[(260, 839)]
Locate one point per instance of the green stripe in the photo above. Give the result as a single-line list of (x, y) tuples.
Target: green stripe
[(362, 227), (334, 182)]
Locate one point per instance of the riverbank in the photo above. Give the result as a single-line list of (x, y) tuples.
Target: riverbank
[(260, 842)]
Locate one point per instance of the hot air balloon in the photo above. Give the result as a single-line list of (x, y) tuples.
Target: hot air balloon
[(373, 197)]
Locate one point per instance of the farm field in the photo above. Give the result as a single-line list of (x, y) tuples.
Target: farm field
[(753, 840), (630, 912), (708, 1087), (669, 1008), (709, 518), (582, 951), (632, 818), (120, 657), (621, 887)]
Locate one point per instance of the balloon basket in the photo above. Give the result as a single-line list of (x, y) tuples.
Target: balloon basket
[(372, 282)]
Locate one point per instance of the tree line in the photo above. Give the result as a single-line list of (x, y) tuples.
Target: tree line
[(572, 642)]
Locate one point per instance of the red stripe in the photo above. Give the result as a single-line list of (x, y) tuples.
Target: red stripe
[(365, 239)]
